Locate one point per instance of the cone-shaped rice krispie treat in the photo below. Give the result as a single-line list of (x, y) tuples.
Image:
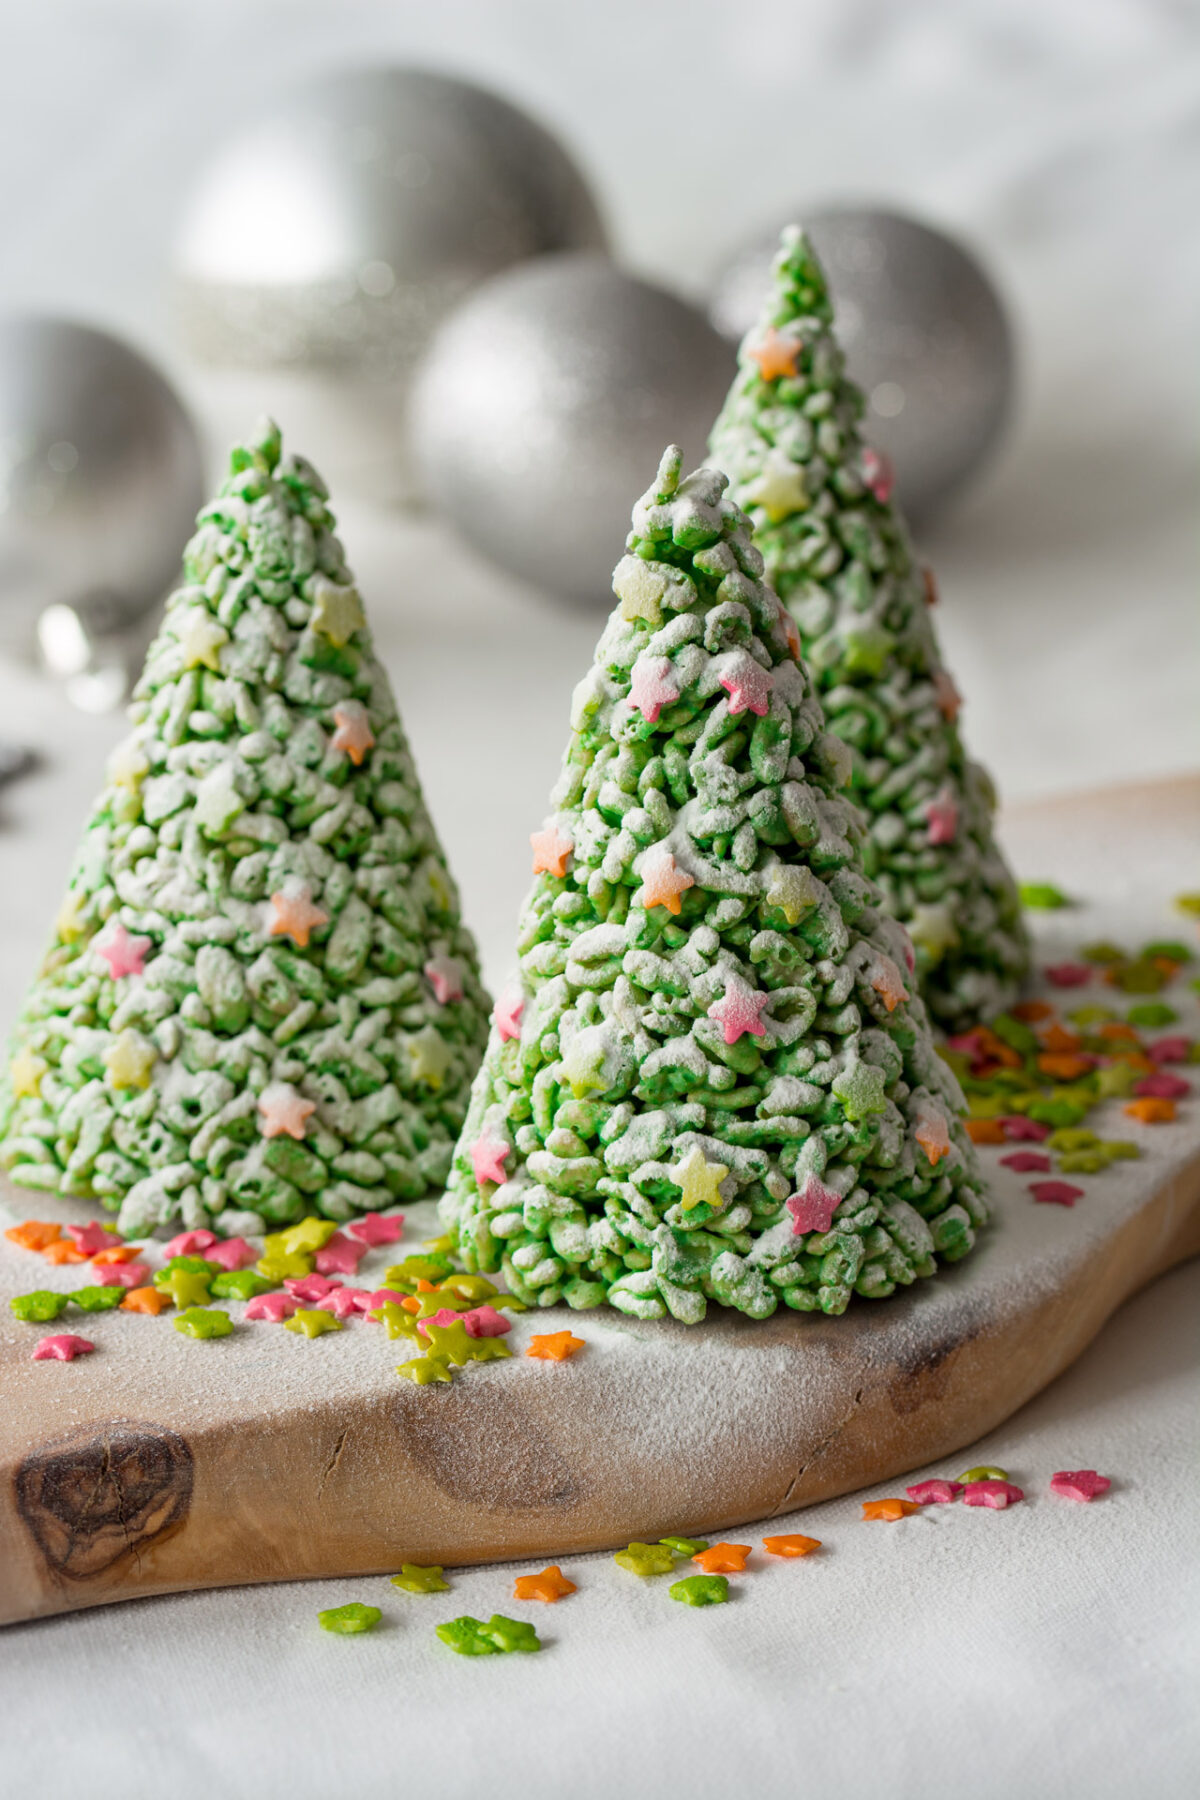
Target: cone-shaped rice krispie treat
[(838, 553), (711, 1079), (260, 997)]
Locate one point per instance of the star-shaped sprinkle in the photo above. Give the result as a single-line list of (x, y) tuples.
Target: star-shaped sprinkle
[(723, 1559), (646, 1560), (122, 1275), (70, 923), (337, 613), (277, 1265), (941, 818), (812, 1209), (282, 1111), (651, 687), (308, 1236), (39, 1307), (185, 1286), (125, 955), (1162, 1087), (861, 1089), (93, 1239), (488, 1154), (484, 1322), (1173, 1049), (384, 1296), (233, 1254), (584, 1062), (996, 1494), (340, 1256), (374, 1229), (683, 1546), (663, 881), (353, 735), (551, 848), (506, 1014), (203, 1322), (423, 1370), (311, 1321), (890, 1509), (1027, 1162), (640, 590), (551, 1585), (445, 1315), (1151, 1110), (128, 766), (429, 1056), (700, 1590), (497, 1635), (273, 1307), (25, 1072), (201, 639), (934, 1493), (445, 976), (36, 1234), (94, 1299), (737, 1012), (878, 474), (933, 930), (397, 1322), (344, 1303), (1019, 1129), (866, 647), (415, 1579), (933, 1135), (792, 1543), (779, 487), (554, 1346), (793, 890), (775, 353), (748, 686), (887, 981), (310, 1287), (982, 1472), (948, 698), (150, 1300), (129, 1060), (190, 1243), (64, 1251), (698, 1180), (349, 1620), (239, 1284), (1079, 1484), (449, 1343), (64, 1347), (1055, 1193), (295, 916)]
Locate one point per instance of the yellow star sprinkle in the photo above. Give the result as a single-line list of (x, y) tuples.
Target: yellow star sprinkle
[(397, 1321), (25, 1073), (69, 924), (793, 890), (449, 1343), (428, 1055), (337, 612), (583, 1063), (309, 1236), (640, 590), (423, 1370), (128, 765), (311, 1321), (699, 1180), (932, 929), (779, 489), (129, 1060), (200, 640)]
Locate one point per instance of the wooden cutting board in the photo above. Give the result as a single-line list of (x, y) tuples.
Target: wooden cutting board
[(163, 1463)]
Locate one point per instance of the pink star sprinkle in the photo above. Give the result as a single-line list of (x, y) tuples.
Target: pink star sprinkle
[(484, 1321), (934, 1493), (233, 1253), (737, 1011), (1068, 974), (748, 686), (1079, 1484), (64, 1347), (340, 1256), (487, 1159), (124, 955), (190, 1243), (812, 1209), (1170, 1049), (1162, 1087), (282, 1110), (1055, 1193), (380, 1297), (343, 1302), (996, 1494), (941, 818), (310, 1288), (275, 1308), (126, 1275), (1027, 1162), (447, 1316), (377, 1228), (353, 734), (1019, 1129), (878, 475), (507, 1012), (651, 687), (444, 975), (91, 1238)]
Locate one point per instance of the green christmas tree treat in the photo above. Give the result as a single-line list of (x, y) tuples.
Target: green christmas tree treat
[(712, 1080), (838, 553), (260, 998)]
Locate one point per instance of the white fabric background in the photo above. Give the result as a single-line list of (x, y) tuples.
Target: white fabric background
[(1049, 1651)]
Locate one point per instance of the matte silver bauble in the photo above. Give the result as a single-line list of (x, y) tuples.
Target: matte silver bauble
[(327, 242), (100, 482), (545, 405), (925, 335)]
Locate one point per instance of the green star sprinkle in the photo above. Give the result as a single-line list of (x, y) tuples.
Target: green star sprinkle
[(240, 1284), (472, 1637), (646, 1559), (423, 1370), (700, 1590), (488, 1349), (511, 1634), (348, 1621), (1148, 1015), (312, 1321), (440, 1300), (681, 1546), (1115, 1080), (203, 1322), (416, 1580), (279, 1265), (861, 1088), (1170, 948), (184, 1287), (397, 1321), (449, 1343), (1042, 896), (97, 1299), (39, 1307)]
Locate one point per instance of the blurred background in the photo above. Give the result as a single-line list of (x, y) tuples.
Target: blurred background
[(1005, 191)]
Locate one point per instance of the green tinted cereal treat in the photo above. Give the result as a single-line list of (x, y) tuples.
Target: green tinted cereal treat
[(259, 999), (838, 552), (713, 1079)]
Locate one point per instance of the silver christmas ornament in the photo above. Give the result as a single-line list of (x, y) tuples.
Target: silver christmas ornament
[(925, 334), (327, 242), (100, 482), (548, 394)]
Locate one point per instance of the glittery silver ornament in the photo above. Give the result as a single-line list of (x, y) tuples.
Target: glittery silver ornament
[(100, 481), (545, 396), (328, 241), (925, 334)]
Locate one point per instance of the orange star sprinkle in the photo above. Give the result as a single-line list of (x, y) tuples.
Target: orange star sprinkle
[(353, 734), (1057, 1038), (794, 1544), (776, 354), (886, 981), (723, 1559), (550, 851), (1151, 1110), (551, 1585), (34, 1234), (986, 1131), (662, 882), (1031, 1011), (889, 1509), (120, 1253), (933, 1135), (295, 916), (62, 1250), (1064, 1066), (554, 1346), (150, 1300)]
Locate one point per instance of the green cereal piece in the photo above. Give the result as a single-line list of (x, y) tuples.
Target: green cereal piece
[(42, 1305), (203, 1322), (349, 1620), (1148, 1015), (682, 1546), (417, 1580), (646, 1559), (312, 1322), (424, 1370), (700, 1590), (466, 1637), (406, 1274), (1103, 951), (1043, 896), (1171, 949), (279, 1266), (240, 1284), (184, 1287), (511, 1634), (97, 1299)]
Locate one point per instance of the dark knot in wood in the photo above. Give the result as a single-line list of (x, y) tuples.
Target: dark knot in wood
[(100, 1495)]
